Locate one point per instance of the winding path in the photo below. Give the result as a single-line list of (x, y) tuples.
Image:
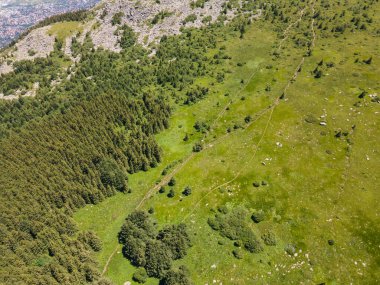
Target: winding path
[(258, 115)]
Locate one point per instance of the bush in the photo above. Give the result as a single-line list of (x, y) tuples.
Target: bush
[(173, 277), (191, 18), (253, 245), (201, 127), (223, 209), (116, 19), (258, 216), (172, 182), (176, 239), (160, 17), (269, 238), (197, 147), (237, 253), (140, 275), (235, 227), (220, 77), (187, 191), (290, 249), (247, 119), (318, 73), (128, 37), (171, 193), (256, 184)]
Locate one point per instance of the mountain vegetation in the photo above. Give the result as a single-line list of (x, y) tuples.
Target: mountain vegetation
[(240, 152)]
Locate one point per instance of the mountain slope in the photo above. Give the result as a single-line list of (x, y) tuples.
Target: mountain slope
[(260, 136)]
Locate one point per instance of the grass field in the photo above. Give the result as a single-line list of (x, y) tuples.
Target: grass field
[(62, 30), (320, 186)]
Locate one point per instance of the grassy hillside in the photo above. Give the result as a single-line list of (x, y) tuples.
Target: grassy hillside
[(311, 139), (259, 135)]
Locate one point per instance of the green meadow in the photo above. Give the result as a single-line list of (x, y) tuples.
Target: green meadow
[(313, 143)]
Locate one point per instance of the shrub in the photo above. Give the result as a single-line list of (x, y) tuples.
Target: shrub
[(128, 37), (116, 18), (201, 127), (140, 275), (235, 227), (207, 20), (176, 239), (171, 193), (256, 184), (368, 61), (162, 189), (191, 18), (187, 191), (223, 209), (318, 73), (253, 245), (269, 238), (197, 147), (172, 182), (258, 216), (220, 77), (31, 52), (160, 17), (179, 277), (290, 249), (237, 253)]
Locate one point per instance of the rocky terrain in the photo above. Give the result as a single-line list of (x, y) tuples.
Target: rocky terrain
[(139, 15), (136, 14)]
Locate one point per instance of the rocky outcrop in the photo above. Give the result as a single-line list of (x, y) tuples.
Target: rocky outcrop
[(139, 15), (38, 43), (136, 14)]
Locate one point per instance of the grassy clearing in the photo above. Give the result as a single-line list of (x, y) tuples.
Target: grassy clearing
[(64, 29), (320, 187)]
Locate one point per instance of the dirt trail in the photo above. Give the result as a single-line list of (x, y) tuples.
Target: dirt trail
[(167, 178), (286, 31), (170, 175), (258, 115), (109, 260), (272, 108), (223, 111), (241, 169)]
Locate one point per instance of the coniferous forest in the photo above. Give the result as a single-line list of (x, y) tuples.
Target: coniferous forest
[(76, 144)]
